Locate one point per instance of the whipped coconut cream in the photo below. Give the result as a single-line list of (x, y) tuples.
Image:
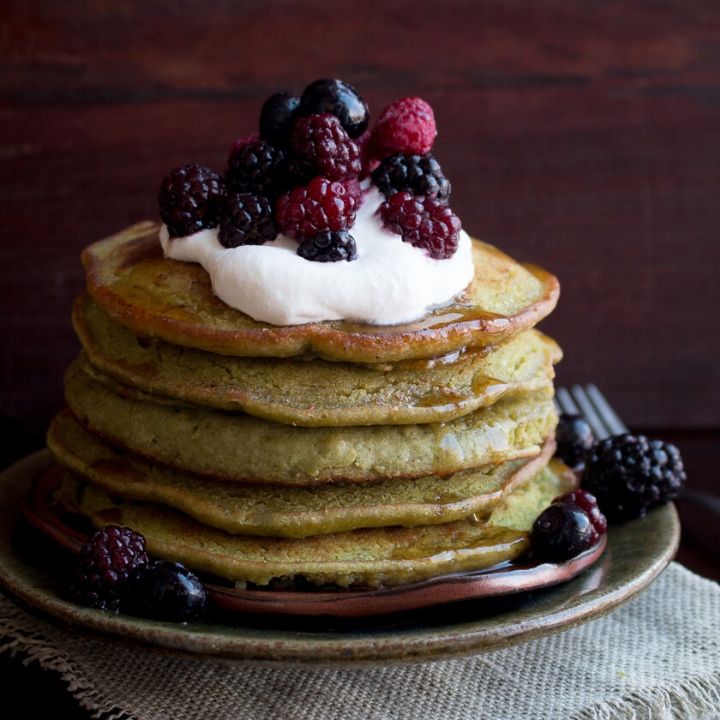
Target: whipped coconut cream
[(390, 282)]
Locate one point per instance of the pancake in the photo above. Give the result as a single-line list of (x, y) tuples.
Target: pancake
[(248, 449), (370, 557), (318, 393), (288, 511), (129, 277)]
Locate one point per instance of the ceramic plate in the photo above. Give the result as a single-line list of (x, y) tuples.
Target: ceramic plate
[(636, 553)]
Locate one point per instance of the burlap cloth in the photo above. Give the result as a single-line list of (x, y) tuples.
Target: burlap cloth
[(657, 657)]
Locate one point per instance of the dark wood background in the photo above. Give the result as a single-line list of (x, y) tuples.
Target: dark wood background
[(583, 136)]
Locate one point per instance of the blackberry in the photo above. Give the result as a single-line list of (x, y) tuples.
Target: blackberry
[(423, 222), (168, 591), (320, 144), (574, 439), (191, 198), (587, 502), (561, 532), (248, 220), (339, 99), (416, 174), (257, 167), (329, 246), (320, 205), (277, 117), (107, 562), (629, 475)]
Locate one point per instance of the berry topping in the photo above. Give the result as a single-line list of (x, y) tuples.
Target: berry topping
[(277, 116), (321, 205), (629, 475), (168, 591), (367, 162), (106, 562), (587, 502), (416, 174), (339, 99), (242, 141), (248, 220), (405, 126), (561, 532), (574, 439), (257, 167), (191, 198), (329, 246), (423, 222), (321, 146)]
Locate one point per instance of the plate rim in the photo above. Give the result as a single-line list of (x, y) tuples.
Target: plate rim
[(355, 646)]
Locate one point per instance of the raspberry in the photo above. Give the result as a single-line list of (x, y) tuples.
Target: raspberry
[(587, 502), (423, 222), (320, 205), (367, 162), (191, 198), (339, 99), (242, 141), (248, 220), (405, 126), (352, 185), (257, 167), (561, 532), (574, 439), (168, 591), (320, 144), (416, 174), (629, 475), (329, 246), (277, 116), (106, 563)]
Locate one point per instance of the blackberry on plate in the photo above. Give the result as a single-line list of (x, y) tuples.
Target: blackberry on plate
[(406, 126), (329, 246), (248, 220), (107, 561), (257, 167), (587, 502), (424, 222), (277, 117), (320, 205), (339, 99), (191, 198), (167, 590), (416, 174), (322, 146), (630, 474), (561, 532), (574, 438)]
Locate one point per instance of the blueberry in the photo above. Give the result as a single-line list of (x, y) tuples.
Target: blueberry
[(574, 439), (340, 99), (168, 591), (277, 117), (561, 532)]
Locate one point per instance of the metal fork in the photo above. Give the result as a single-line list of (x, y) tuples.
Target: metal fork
[(589, 402)]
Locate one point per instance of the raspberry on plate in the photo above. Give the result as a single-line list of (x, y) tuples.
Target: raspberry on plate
[(405, 126), (107, 561), (257, 167), (424, 222), (248, 220), (321, 205), (322, 147), (416, 174), (329, 246), (630, 474), (191, 198)]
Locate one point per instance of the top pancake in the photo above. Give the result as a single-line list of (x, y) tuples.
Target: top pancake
[(129, 277)]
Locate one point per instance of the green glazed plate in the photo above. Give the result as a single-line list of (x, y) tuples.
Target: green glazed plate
[(636, 554)]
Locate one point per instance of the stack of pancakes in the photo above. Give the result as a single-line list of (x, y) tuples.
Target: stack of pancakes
[(330, 453)]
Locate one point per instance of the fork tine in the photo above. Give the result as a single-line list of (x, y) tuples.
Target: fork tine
[(565, 402), (598, 426), (604, 409)]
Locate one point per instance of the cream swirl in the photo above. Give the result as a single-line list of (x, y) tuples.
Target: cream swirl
[(390, 282)]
